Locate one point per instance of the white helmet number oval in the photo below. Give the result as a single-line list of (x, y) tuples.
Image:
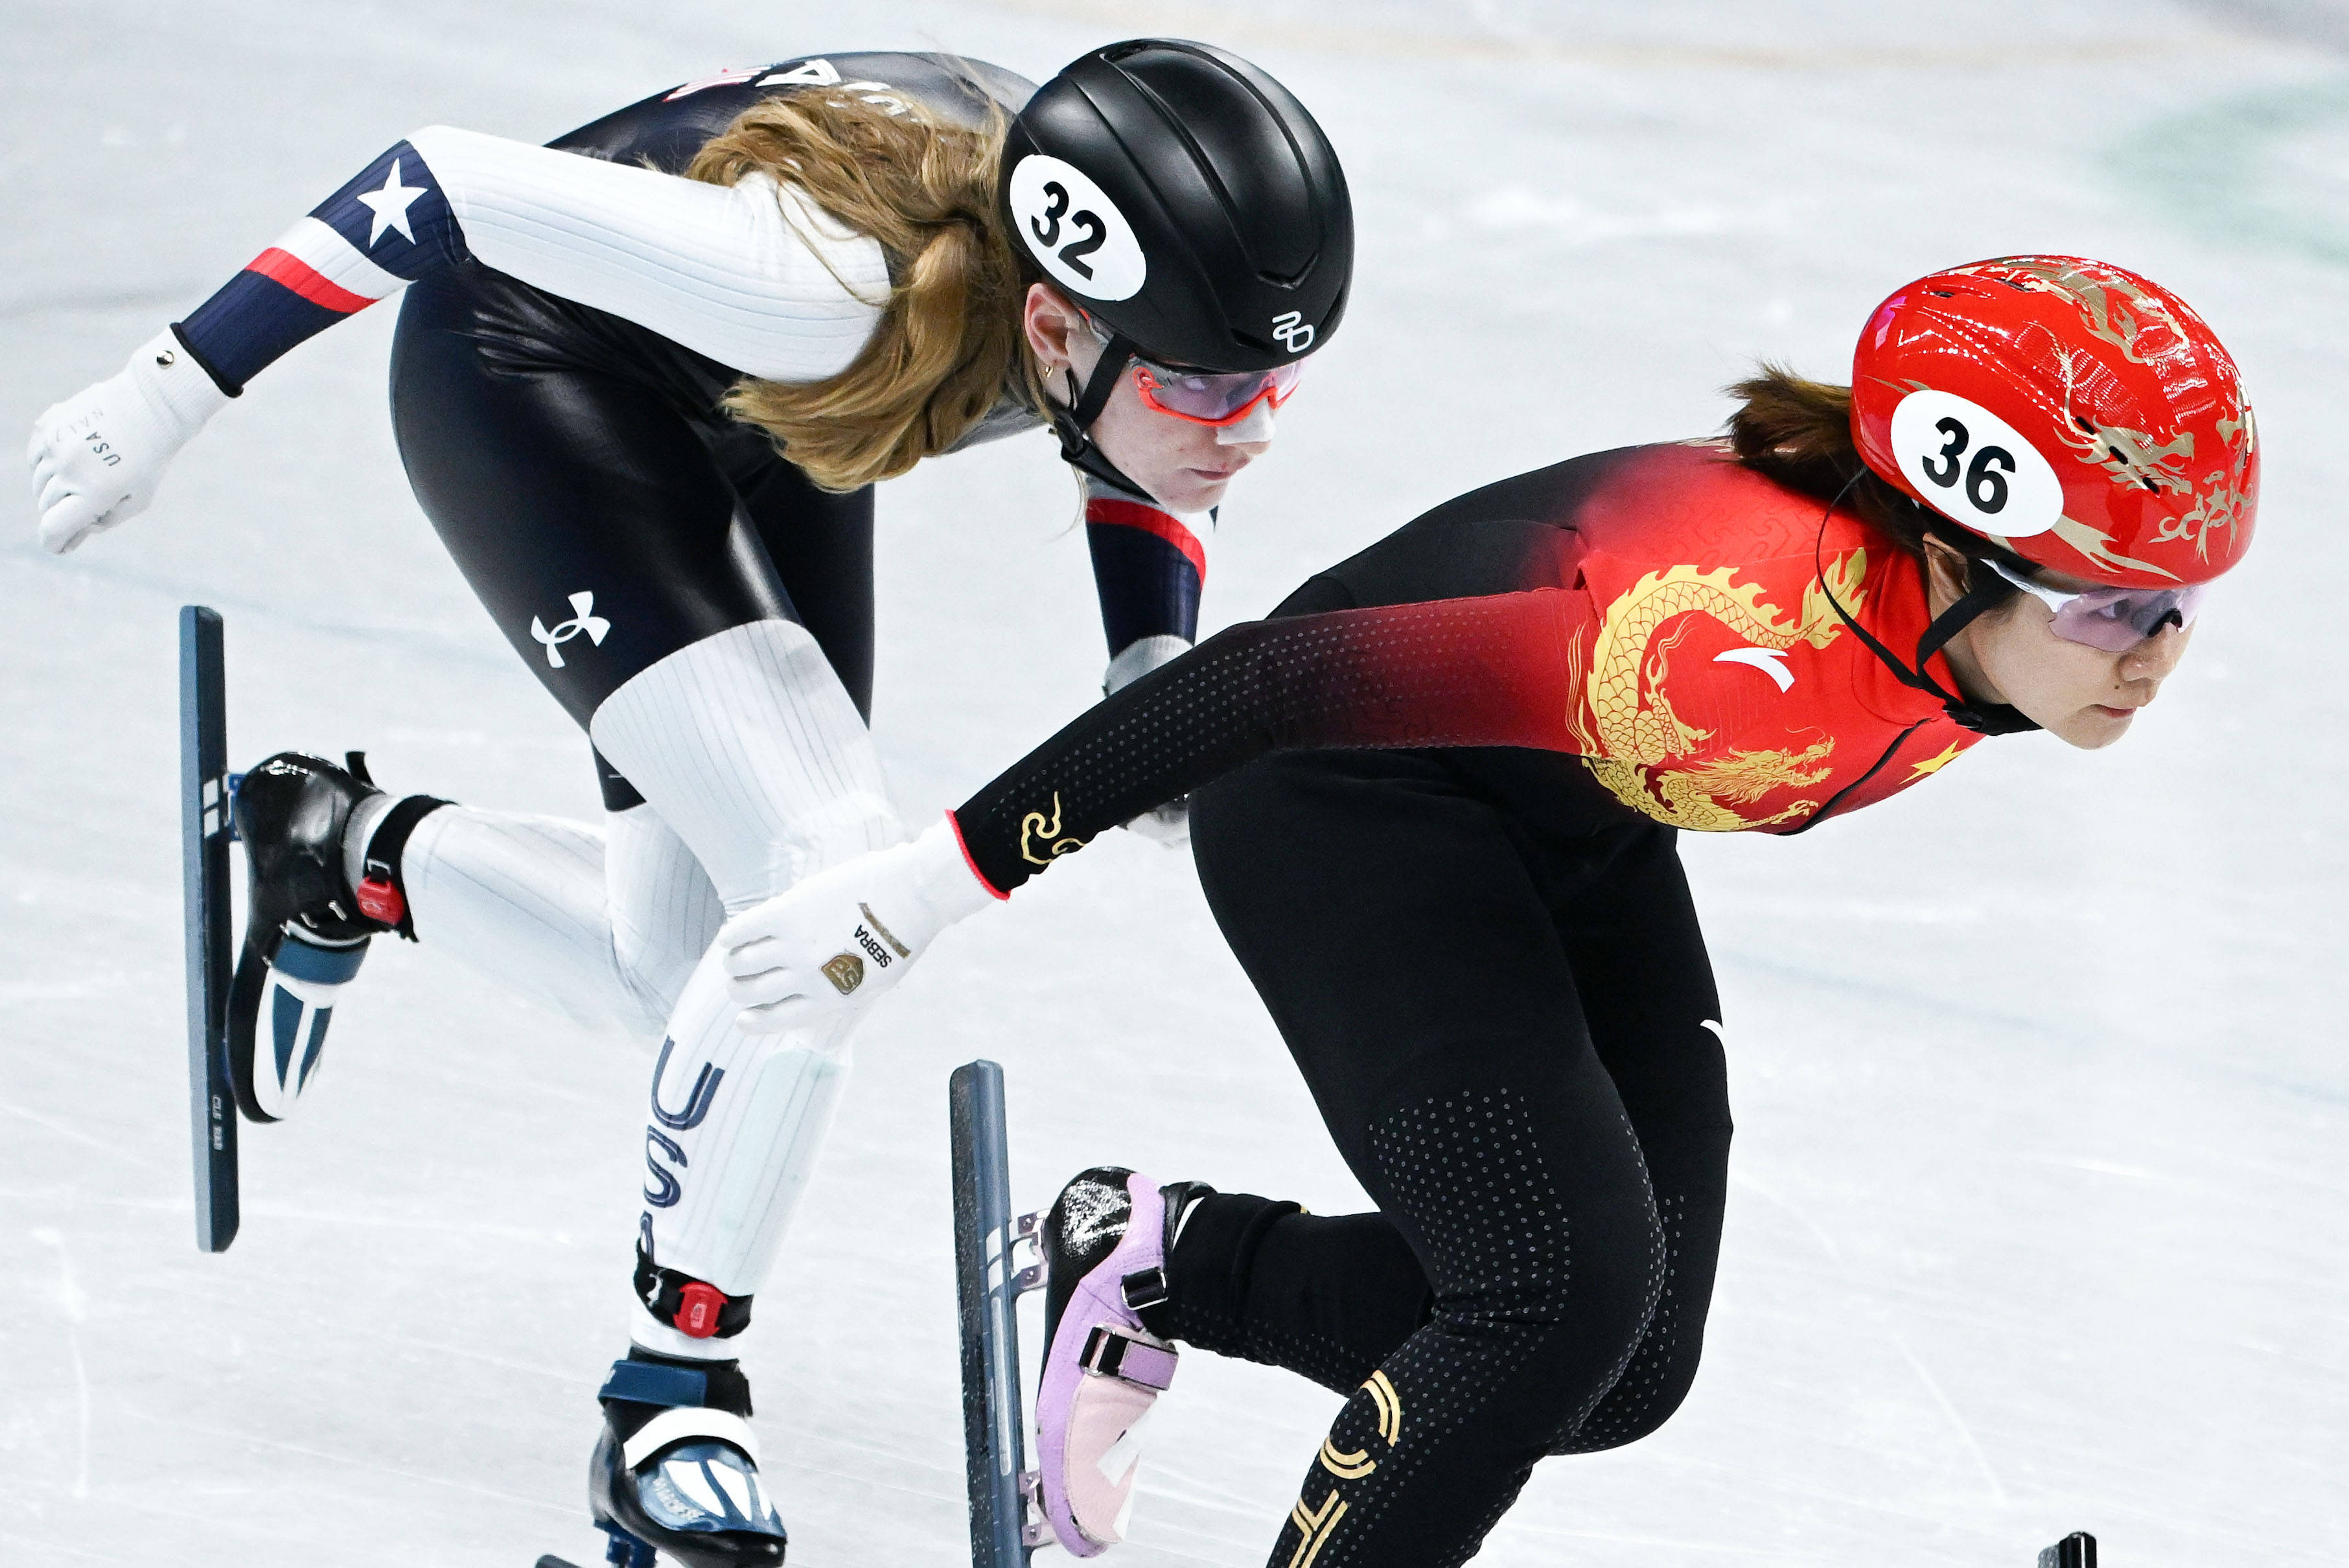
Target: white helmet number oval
[(1074, 230), (1973, 467)]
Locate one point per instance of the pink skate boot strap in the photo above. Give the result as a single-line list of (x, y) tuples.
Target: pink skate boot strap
[(1113, 1353)]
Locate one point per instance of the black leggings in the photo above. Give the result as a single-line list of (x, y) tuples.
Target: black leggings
[(562, 453), (1504, 1022)]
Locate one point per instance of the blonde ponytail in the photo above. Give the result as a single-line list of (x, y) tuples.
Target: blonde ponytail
[(950, 340)]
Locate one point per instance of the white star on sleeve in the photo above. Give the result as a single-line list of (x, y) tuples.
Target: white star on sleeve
[(391, 206)]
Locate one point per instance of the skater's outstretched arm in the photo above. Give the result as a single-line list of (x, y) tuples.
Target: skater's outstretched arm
[(1149, 567), (1488, 671), (751, 275)]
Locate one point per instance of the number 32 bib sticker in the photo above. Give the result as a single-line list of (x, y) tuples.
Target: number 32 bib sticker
[(1974, 467), (1074, 230)]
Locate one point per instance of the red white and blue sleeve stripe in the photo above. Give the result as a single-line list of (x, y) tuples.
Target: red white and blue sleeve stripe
[(379, 233), (751, 275), (1149, 567)]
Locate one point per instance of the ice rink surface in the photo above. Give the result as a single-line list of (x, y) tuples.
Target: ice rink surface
[(2036, 1217)]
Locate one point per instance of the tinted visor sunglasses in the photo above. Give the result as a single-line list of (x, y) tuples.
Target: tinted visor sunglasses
[(2113, 619), (1207, 398)]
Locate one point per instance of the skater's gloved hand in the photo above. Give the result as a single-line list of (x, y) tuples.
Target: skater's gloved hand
[(839, 939), (1170, 824), (97, 456)]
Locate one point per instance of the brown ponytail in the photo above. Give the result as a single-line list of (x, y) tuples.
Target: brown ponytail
[(950, 340), (1798, 432)]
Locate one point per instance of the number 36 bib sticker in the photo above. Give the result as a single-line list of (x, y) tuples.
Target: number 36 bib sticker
[(1074, 230), (1970, 464)]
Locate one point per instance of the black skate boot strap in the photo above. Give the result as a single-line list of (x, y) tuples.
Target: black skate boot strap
[(1143, 1288), (383, 895), (661, 1382), (695, 1308), (1179, 1197), (1146, 1288)]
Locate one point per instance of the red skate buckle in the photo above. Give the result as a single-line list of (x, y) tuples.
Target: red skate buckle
[(378, 900), (697, 1306)]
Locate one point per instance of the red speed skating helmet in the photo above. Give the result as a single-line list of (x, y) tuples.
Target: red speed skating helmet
[(2070, 411)]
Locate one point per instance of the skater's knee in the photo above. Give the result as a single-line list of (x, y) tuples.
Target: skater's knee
[(1648, 1394), (1558, 1377), (1602, 1293), (1569, 1341), (641, 1011), (747, 746), (812, 836)]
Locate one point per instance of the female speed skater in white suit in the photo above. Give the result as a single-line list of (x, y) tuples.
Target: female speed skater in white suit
[(643, 381)]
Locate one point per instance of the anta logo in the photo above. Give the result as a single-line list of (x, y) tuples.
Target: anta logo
[(583, 619), (1296, 333), (1771, 662)]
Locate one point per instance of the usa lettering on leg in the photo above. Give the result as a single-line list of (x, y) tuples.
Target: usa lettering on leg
[(669, 1189)]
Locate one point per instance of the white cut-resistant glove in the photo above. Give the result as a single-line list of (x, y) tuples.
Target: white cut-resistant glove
[(1168, 825), (839, 940), (97, 456)]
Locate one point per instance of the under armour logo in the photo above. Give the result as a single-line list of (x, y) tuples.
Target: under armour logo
[(583, 619), (1296, 334)]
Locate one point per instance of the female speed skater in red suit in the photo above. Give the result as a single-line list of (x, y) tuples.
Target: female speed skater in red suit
[(1437, 798)]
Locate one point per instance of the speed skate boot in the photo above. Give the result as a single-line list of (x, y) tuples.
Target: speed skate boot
[(1105, 1244), (676, 1467), (306, 928)]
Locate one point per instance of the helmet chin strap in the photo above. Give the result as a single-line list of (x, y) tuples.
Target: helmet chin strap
[(1074, 421), (1984, 717)]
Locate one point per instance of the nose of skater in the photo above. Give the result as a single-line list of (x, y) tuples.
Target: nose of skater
[(2144, 667), (1250, 436)]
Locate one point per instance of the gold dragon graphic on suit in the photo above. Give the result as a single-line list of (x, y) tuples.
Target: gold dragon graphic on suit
[(1635, 732)]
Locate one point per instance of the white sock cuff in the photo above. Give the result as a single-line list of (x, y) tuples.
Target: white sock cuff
[(364, 817)]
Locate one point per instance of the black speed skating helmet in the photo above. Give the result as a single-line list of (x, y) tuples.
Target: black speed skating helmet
[(1186, 201)]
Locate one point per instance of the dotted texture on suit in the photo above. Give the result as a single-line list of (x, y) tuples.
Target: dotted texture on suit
[(1504, 1371)]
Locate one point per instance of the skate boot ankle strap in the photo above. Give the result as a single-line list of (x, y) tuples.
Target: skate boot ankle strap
[(382, 894), (1143, 1288), (667, 1383), (653, 1404), (1113, 1352), (695, 1308)]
